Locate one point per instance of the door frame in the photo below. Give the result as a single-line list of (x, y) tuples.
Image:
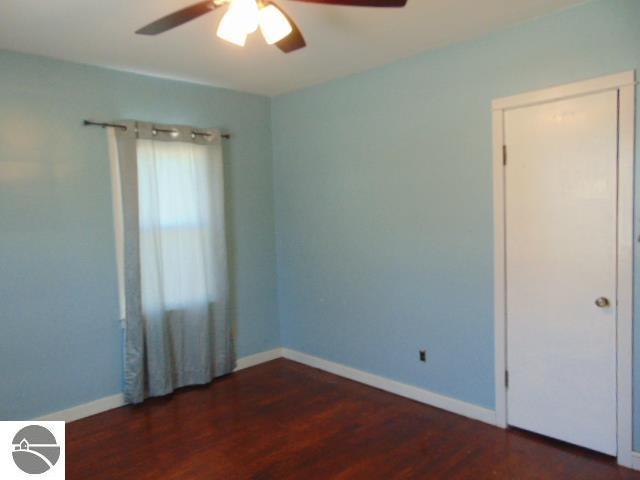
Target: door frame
[(624, 83)]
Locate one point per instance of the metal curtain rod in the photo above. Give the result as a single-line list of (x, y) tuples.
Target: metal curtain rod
[(89, 123)]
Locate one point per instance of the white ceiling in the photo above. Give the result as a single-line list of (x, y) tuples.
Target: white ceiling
[(341, 40)]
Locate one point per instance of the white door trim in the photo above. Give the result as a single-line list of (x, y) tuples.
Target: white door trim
[(624, 83)]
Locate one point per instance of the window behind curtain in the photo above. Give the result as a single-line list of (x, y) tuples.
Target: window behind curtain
[(176, 227)]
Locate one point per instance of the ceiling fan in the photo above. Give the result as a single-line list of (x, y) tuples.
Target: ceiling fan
[(243, 17)]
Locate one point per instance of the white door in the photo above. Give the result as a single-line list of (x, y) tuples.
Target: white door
[(560, 201)]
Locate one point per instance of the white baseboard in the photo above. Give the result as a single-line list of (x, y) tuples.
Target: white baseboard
[(415, 393), (85, 410), (115, 401), (258, 358), (635, 461), (409, 391)]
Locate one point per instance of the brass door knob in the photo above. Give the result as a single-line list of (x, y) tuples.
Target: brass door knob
[(602, 302)]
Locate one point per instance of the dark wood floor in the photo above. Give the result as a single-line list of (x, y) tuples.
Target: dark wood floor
[(282, 420)]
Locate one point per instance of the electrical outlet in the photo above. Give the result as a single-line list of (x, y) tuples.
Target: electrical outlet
[(423, 355)]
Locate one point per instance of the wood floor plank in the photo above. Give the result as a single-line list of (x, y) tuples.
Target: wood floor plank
[(283, 420)]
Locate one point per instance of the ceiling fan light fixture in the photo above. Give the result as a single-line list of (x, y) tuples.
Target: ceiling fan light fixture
[(231, 30), (274, 24)]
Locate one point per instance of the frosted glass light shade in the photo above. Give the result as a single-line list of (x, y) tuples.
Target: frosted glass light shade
[(273, 24), (247, 14), (231, 30)]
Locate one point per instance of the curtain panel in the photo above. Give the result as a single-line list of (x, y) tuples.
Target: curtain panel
[(172, 263)]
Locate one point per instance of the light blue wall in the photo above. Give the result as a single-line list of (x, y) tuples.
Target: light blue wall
[(60, 339), (383, 191)]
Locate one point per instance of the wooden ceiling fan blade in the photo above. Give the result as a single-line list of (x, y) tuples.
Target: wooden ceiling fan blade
[(294, 41), (178, 18), (359, 3)]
